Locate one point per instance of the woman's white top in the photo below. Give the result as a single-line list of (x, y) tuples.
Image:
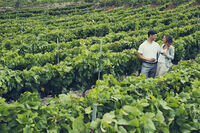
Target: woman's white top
[(167, 59), (162, 57)]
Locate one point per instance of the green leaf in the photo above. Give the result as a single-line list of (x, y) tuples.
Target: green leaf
[(88, 110), (134, 122), (95, 124), (21, 118), (185, 131), (4, 128), (160, 117), (35, 107), (109, 117), (102, 127), (42, 124), (78, 125), (77, 122), (184, 96), (187, 128), (122, 112), (27, 129), (2, 100), (122, 122), (116, 97), (149, 126), (165, 130), (122, 130), (144, 104), (54, 130), (164, 105), (131, 109)]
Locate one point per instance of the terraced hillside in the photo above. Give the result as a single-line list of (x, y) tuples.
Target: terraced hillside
[(53, 51)]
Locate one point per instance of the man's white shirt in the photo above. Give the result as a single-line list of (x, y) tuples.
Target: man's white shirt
[(149, 50)]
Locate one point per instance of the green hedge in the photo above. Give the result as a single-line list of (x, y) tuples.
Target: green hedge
[(165, 104)]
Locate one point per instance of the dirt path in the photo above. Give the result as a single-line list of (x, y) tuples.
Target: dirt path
[(47, 6)]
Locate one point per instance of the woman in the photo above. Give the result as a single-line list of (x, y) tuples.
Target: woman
[(166, 56)]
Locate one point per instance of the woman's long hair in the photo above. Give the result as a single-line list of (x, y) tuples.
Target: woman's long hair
[(169, 40)]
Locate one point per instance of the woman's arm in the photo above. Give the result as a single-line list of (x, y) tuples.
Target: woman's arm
[(171, 53)]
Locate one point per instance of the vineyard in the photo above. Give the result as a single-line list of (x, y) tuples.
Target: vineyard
[(58, 51)]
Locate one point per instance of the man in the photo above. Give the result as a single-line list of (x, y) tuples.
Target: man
[(148, 52)]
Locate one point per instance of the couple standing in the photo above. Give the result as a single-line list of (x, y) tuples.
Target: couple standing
[(156, 60)]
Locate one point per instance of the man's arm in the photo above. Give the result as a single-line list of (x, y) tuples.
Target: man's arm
[(140, 56)]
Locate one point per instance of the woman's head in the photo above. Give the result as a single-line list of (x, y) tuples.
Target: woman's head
[(168, 39)]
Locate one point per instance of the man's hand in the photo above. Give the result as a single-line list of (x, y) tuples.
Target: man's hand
[(152, 60), (146, 59)]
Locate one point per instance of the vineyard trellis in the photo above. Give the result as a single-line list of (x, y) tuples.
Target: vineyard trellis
[(76, 47)]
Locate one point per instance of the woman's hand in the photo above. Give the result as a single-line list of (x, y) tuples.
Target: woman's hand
[(163, 53)]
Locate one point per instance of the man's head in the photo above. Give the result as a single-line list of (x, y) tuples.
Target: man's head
[(152, 34)]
